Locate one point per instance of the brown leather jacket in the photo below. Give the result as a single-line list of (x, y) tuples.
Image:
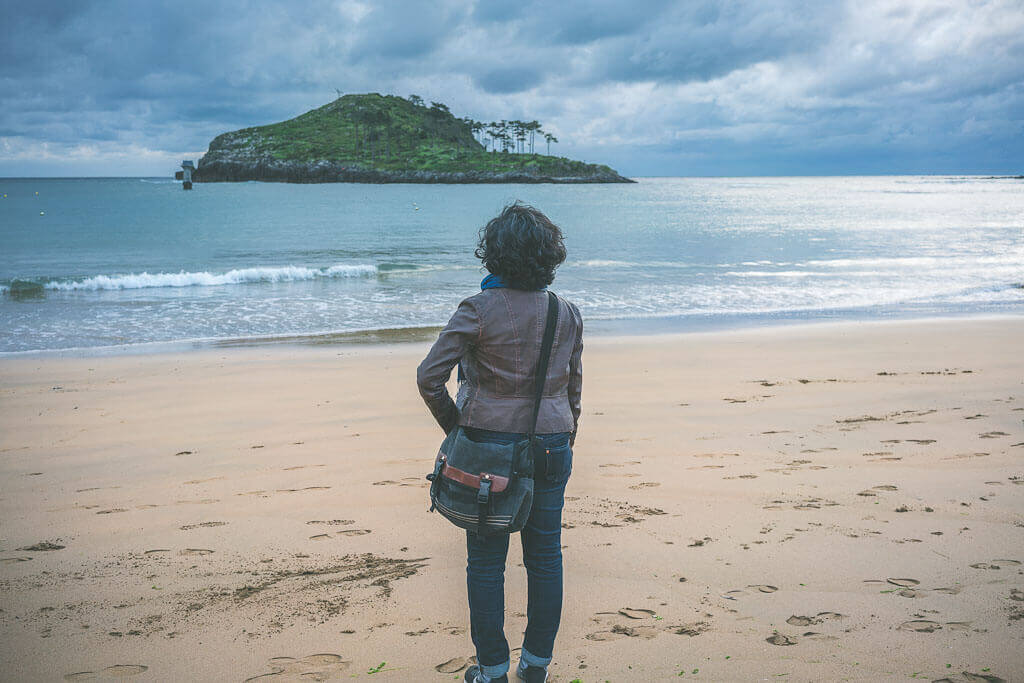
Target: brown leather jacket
[(496, 336)]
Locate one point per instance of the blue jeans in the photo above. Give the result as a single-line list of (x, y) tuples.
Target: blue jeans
[(542, 555)]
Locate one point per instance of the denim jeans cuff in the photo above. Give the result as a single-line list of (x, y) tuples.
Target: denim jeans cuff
[(494, 670), (533, 660)]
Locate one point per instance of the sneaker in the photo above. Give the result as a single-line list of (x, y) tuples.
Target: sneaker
[(531, 674), (474, 675)]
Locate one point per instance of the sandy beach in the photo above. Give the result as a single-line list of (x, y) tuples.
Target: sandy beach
[(808, 503)]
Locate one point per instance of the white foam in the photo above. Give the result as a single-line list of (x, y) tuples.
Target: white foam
[(206, 279)]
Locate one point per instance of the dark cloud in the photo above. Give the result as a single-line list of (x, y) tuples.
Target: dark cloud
[(704, 40), (407, 30), (652, 86), (508, 80)]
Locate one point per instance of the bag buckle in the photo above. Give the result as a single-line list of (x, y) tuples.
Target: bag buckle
[(485, 489), (438, 464), (483, 497), (434, 478)]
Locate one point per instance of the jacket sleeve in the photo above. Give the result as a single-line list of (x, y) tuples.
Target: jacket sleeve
[(576, 376), (461, 332)]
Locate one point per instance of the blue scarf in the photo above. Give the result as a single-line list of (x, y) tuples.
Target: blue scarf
[(493, 281)]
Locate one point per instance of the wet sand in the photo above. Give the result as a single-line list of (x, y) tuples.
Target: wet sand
[(822, 502)]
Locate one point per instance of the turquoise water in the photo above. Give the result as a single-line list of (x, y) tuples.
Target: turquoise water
[(109, 262)]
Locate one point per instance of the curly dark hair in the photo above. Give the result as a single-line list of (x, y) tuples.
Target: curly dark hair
[(522, 246)]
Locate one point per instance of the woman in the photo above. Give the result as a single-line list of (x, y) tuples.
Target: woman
[(495, 338)]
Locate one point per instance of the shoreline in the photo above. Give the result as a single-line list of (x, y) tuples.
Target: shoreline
[(596, 329)]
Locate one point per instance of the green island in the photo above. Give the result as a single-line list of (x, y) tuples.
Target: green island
[(373, 138)]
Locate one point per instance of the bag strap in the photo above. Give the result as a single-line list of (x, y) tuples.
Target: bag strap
[(542, 361)]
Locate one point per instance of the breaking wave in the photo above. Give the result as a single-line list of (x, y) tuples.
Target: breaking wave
[(239, 276)]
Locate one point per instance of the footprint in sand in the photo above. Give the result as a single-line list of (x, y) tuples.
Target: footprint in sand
[(450, 630), (116, 671), (622, 631), (43, 546), (920, 626), (763, 588), (619, 631), (958, 625), (157, 550), (904, 583), (187, 527), (454, 665), (781, 639), (814, 635), (318, 667), (306, 488), (645, 484), (202, 481), (995, 564), (817, 619), (645, 632), (353, 532), (694, 629), (961, 456), (196, 551), (992, 435), (320, 537), (301, 467), (333, 522), (635, 613), (111, 511), (981, 678), (8, 560)]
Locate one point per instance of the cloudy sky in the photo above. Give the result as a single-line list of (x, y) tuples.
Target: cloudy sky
[(131, 87)]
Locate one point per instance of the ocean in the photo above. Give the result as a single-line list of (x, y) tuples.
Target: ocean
[(124, 264)]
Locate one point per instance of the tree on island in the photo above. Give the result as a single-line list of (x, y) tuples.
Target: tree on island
[(549, 138)]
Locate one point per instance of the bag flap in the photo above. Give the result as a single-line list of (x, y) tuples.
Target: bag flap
[(476, 458)]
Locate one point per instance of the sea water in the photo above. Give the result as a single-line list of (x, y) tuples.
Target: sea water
[(89, 263)]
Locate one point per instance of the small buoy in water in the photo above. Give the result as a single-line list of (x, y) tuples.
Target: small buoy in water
[(37, 194), (42, 213)]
